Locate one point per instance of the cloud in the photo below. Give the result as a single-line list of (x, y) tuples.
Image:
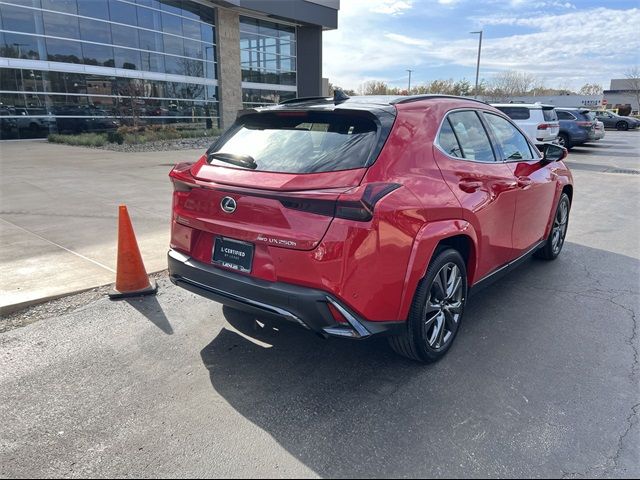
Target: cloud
[(398, 38), (367, 45), (390, 7)]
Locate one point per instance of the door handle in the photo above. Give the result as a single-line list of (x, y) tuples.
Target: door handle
[(524, 182), (469, 186)]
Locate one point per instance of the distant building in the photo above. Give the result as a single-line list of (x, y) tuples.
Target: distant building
[(588, 101), (621, 93)]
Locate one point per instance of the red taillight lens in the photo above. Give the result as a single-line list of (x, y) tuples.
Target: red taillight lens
[(362, 210), (544, 126), (585, 124), (357, 204), (181, 177), (179, 186)]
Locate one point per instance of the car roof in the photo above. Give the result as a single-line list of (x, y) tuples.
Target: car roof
[(575, 109), (524, 105)]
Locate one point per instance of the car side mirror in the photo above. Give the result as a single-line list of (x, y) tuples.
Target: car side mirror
[(554, 153)]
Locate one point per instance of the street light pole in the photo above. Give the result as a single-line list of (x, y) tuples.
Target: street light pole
[(478, 64), (409, 87)]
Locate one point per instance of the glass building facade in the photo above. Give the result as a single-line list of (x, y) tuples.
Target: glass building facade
[(89, 65), (71, 66), (268, 62)]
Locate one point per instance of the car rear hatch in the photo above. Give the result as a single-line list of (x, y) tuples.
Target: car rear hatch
[(587, 120), (276, 177), (550, 128)]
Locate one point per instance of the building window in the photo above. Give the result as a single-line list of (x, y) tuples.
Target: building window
[(268, 61)]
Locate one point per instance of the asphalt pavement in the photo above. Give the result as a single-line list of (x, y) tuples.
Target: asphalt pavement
[(541, 382)]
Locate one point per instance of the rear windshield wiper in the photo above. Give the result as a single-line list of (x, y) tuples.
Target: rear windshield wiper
[(246, 161)]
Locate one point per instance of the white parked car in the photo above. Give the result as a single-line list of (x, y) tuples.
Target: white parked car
[(598, 132), (538, 121)]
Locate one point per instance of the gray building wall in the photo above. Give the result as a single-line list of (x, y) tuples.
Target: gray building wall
[(621, 93), (309, 61)]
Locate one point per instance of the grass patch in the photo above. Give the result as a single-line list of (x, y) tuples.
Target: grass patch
[(82, 140)]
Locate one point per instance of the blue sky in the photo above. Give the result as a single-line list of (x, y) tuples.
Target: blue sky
[(564, 43)]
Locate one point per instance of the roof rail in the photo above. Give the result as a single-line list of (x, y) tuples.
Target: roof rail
[(303, 99), (417, 98)]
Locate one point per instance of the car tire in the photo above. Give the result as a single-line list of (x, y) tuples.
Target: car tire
[(436, 312), (555, 241), (564, 141), (622, 126)]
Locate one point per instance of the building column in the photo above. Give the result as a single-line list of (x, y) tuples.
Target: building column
[(309, 61), (229, 69)]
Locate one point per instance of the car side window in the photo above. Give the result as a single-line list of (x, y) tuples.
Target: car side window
[(448, 141), (514, 145), (471, 136)]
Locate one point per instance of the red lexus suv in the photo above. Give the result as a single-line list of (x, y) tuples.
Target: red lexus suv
[(365, 216)]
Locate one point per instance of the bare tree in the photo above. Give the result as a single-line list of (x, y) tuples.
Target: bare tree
[(591, 89), (373, 87), (633, 83), (333, 88), (510, 84), (129, 102)]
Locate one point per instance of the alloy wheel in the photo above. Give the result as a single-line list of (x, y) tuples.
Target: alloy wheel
[(444, 307), (559, 230)]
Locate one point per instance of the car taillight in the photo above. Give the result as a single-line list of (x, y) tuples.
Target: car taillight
[(585, 124), (545, 126), (361, 210), (179, 186)]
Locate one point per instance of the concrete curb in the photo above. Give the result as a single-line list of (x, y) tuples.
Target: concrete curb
[(16, 307)]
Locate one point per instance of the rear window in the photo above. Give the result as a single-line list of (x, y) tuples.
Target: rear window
[(590, 115), (516, 113), (299, 142), (562, 115), (549, 115)]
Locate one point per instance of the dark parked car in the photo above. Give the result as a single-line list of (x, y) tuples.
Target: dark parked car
[(366, 216), (81, 120), (8, 124), (611, 120), (577, 126)]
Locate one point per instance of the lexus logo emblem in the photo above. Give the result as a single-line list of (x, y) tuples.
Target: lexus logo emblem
[(228, 204)]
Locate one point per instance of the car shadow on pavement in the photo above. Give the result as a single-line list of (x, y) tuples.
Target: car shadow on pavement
[(151, 309), (492, 406)]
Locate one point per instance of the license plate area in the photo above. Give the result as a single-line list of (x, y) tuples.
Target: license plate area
[(234, 254)]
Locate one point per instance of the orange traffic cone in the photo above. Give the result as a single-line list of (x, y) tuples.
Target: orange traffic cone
[(131, 277)]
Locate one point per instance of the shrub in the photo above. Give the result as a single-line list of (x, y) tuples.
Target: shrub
[(115, 137), (82, 140)]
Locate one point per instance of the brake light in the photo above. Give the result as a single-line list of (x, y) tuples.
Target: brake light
[(545, 126), (179, 186), (353, 205), (586, 124), (362, 210), (181, 177)]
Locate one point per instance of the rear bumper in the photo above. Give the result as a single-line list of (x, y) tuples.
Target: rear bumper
[(272, 300)]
